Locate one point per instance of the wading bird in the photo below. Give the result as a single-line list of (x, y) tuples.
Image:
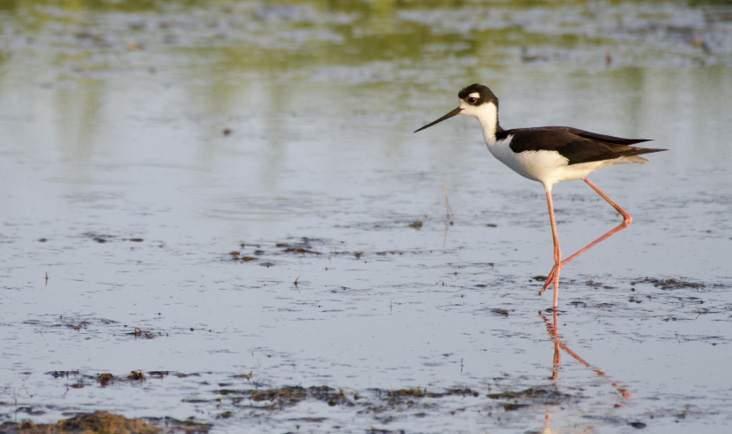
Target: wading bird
[(549, 155)]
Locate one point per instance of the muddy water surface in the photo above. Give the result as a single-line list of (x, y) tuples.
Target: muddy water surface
[(218, 213)]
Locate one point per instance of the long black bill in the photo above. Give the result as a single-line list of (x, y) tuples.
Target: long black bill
[(447, 116)]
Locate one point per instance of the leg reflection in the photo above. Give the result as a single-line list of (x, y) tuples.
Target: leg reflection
[(553, 329)]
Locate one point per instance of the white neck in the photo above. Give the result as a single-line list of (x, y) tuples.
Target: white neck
[(487, 115)]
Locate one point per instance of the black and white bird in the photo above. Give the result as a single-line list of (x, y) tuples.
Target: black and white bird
[(549, 155)]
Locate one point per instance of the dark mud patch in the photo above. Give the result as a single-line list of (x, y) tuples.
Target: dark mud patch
[(262, 253), (672, 299), (73, 323), (79, 380), (270, 254), (670, 284), (549, 395), (93, 326), (400, 224), (399, 395), (683, 299), (85, 423), (102, 422), (141, 333), (501, 312), (105, 238), (382, 401), (285, 396)]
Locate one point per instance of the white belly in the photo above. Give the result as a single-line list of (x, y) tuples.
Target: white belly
[(547, 167)]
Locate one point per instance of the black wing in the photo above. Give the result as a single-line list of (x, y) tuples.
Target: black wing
[(576, 145)]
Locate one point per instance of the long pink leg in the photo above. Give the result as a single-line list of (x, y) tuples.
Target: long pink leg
[(554, 274)]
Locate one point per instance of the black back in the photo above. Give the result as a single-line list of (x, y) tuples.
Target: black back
[(578, 146)]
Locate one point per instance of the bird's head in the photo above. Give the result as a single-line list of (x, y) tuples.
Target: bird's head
[(475, 100)]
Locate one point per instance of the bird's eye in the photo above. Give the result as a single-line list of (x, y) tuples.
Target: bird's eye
[(472, 100)]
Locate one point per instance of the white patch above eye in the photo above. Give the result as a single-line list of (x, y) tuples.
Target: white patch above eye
[(474, 95)]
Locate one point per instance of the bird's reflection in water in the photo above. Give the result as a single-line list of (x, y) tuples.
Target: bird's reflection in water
[(552, 327)]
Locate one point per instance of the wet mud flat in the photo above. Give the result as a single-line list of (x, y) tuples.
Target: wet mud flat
[(567, 384), (329, 410)]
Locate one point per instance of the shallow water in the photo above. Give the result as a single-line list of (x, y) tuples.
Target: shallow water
[(232, 194)]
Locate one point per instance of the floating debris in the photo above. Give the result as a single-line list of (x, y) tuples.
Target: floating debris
[(99, 238), (105, 379), (296, 249), (501, 312), (136, 376), (138, 332), (417, 224)]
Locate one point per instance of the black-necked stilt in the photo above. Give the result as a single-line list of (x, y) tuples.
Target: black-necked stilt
[(549, 155)]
